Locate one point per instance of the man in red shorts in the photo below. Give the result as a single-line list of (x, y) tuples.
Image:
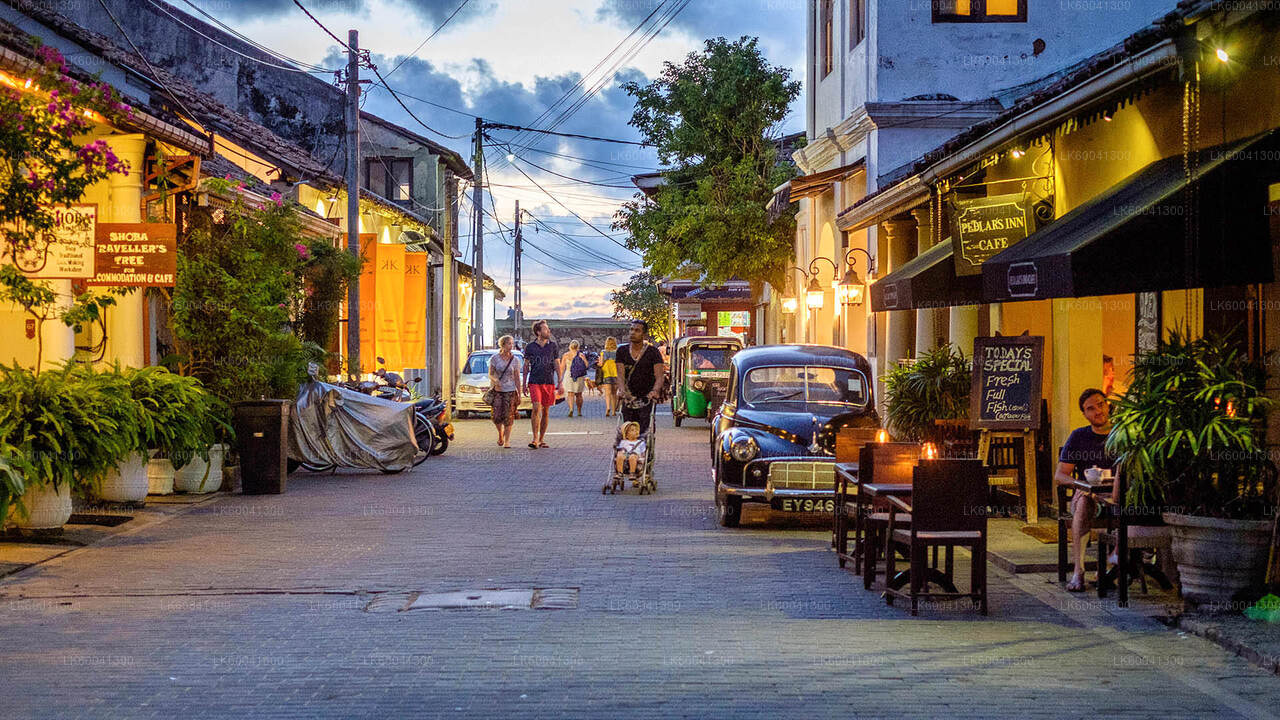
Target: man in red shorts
[(541, 371)]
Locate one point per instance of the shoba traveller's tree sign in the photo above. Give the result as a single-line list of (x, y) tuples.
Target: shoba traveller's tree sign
[(136, 255), (1006, 390)]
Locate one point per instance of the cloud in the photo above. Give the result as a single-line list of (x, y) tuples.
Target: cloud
[(432, 11)]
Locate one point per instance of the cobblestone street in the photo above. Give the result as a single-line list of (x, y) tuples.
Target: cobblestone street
[(265, 607)]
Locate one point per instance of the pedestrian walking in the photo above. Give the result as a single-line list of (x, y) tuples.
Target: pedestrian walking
[(641, 373), (609, 376), (507, 387), (541, 371), (575, 377)]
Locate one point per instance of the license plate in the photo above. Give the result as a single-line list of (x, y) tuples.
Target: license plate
[(448, 431), (804, 505)]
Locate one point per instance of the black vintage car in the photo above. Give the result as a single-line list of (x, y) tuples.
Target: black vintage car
[(773, 440)]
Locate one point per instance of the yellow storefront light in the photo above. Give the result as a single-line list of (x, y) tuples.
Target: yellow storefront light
[(1223, 55), (814, 296), (790, 305)]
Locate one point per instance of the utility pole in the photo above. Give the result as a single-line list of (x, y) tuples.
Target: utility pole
[(353, 197), (515, 314), (477, 202)]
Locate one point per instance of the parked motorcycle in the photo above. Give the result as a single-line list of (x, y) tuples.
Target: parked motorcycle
[(334, 426)]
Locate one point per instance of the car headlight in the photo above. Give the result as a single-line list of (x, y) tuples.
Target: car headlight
[(744, 448), (468, 389)]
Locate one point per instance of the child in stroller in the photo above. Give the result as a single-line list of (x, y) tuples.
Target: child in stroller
[(629, 453)]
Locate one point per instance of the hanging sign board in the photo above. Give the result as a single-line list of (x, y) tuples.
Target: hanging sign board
[(1006, 387), (135, 255), (63, 252), (986, 226), (688, 311)]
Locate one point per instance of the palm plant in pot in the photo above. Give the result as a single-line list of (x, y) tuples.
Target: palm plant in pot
[(177, 424), (934, 387), (1188, 436), (68, 428)]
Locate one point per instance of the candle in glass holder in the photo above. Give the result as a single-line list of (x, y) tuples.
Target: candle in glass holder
[(929, 451), (882, 436)]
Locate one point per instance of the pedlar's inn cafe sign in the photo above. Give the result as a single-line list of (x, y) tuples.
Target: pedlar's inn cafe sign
[(80, 248), (984, 227)]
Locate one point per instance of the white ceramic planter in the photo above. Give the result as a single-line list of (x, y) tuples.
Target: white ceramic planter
[(127, 482), (46, 508), (191, 477), (160, 476), (1218, 558)]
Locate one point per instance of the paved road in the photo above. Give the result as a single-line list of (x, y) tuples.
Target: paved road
[(288, 606)]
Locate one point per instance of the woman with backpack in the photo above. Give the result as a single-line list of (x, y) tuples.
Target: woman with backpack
[(575, 377), (609, 376)]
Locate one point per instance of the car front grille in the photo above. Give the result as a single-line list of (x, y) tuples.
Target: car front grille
[(802, 475)]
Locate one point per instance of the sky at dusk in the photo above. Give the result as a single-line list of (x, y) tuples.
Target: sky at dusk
[(509, 61)]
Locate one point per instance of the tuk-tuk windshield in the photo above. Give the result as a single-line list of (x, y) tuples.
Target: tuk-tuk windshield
[(711, 357)]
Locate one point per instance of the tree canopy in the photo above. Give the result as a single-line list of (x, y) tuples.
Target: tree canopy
[(714, 119), (639, 299)]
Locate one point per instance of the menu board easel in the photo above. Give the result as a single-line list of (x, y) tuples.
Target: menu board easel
[(1004, 401)]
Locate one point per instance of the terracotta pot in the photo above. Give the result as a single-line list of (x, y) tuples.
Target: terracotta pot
[(192, 478), (46, 508), (127, 482), (160, 474), (1218, 558)]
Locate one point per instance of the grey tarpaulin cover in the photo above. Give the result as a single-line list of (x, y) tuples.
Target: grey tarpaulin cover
[(331, 425)]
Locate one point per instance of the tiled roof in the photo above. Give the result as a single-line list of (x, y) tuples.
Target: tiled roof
[(210, 113)]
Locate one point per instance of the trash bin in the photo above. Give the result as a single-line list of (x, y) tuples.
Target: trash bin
[(262, 434)]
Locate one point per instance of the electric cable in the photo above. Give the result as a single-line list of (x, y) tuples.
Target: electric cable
[(610, 238), (300, 66), (424, 42), (155, 76)]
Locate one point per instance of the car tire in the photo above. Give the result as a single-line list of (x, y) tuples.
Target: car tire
[(728, 511)]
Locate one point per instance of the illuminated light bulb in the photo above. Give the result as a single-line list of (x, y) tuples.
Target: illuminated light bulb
[(882, 436), (27, 84), (1222, 55), (1018, 153), (930, 451), (511, 157)]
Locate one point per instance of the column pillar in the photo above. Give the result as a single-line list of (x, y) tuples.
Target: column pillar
[(963, 327), (125, 332), (926, 318), (901, 324)]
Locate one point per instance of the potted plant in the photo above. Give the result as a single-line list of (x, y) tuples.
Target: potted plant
[(67, 428), (175, 424), (933, 387), (125, 481), (1188, 436)]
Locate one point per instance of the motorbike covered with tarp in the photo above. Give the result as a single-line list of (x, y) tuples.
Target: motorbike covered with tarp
[(332, 425)]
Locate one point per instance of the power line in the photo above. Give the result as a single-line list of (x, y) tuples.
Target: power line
[(424, 42), (506, 126), (228, 29), (610, 238), (155, 76), (396, 96), (527, 161), (316, 20)]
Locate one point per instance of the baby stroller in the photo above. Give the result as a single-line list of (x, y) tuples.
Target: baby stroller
[(643, 481)]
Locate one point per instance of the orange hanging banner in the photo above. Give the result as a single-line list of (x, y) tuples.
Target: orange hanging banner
[(389, 307), (414, 326), (368, 296)]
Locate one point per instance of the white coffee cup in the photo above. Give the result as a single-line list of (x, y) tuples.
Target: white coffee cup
[(1093, 474)]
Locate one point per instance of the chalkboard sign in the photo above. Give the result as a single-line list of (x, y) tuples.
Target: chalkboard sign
[(1005, 394)]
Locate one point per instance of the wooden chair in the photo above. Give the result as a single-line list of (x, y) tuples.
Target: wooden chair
[(1005, 474), (948, 509), (849, 442), (879, 463), (954, 439), (1143, 532)]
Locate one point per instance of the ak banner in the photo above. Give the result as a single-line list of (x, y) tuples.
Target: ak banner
[(414, 334), (389, 306)]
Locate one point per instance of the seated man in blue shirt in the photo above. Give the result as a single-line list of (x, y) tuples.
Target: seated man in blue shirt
[(1085, 448)]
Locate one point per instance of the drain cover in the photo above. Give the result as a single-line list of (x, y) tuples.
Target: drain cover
[(475, 600), (487, 599)]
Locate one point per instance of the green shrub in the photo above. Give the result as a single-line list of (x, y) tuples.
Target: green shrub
[(934, 387), (1189, 432)]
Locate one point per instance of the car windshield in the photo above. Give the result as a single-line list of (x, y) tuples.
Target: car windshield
[(710, 357), (807, 384), (477, 365)]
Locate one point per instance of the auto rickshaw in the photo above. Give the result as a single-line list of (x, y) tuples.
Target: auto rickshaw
[(700, 375)]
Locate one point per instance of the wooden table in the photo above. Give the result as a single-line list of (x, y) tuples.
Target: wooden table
[(868, 492)]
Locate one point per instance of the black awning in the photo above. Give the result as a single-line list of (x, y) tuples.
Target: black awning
[(927, 280), (1133, 237)]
